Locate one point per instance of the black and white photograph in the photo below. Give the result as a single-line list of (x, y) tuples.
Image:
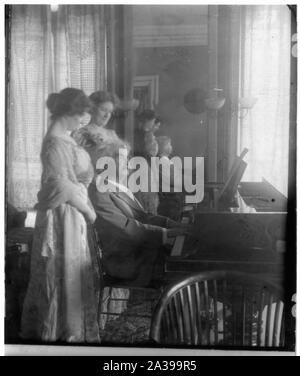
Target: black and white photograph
[(150, 177)]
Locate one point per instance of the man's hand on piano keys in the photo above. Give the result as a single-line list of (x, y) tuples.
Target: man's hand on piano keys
[(170, 234), (177, 231), (174, 224)]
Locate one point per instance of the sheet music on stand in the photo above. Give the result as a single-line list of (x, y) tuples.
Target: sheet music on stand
[(230, 188)]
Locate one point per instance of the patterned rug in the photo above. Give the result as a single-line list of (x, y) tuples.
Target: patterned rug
[(130, 328)]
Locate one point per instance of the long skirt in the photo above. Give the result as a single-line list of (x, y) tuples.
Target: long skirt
[(61, 300)]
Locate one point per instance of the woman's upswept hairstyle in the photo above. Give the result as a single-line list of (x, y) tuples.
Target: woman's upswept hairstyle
[(68, 102), (101, 96)]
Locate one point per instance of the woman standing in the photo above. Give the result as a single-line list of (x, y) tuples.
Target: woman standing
[(95, 134), (61, 301)]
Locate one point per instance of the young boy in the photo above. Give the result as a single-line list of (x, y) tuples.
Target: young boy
[(170, 203), (164, 146)]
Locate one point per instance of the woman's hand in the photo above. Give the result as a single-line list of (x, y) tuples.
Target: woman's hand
[(79, 200), (81, 195), (90, 215)]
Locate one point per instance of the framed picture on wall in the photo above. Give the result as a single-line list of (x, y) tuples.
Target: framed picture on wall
[(146, 90)]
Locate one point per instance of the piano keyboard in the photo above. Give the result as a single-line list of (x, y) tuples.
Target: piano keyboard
[(179, 241)]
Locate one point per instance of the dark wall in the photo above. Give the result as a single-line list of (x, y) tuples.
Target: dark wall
[(179, 69)]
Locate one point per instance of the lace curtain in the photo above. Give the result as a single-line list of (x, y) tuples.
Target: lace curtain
[(29, 45), (265, 75), (48, 52), (79, 40)]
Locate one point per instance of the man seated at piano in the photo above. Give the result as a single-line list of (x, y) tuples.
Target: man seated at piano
[(134, 242)]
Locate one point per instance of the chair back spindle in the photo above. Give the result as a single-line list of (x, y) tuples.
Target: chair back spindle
[(220, 309)]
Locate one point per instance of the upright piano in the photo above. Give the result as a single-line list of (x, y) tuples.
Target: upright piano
[(246, 235)]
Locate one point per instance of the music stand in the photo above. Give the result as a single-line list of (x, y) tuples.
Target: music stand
[(228, 193)]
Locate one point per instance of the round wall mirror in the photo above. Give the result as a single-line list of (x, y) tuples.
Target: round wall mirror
[(194, 101)]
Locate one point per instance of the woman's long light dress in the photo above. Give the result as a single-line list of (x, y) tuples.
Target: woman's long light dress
[(61, 300)]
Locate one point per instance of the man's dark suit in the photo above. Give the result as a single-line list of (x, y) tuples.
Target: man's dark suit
[(131, 239)]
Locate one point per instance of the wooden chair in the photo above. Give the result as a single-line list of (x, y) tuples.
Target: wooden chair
[(220, 309), (108, 304)]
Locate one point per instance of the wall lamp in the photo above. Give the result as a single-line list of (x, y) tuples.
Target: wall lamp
[(245, 104), (215, 101)]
